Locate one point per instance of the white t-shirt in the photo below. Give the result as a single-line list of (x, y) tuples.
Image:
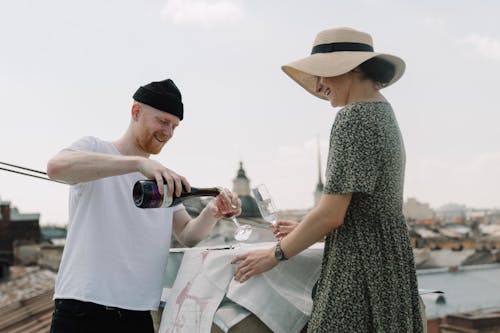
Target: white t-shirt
[(115, 253)]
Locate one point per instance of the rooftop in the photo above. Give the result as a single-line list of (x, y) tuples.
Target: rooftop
[(26, 300), (25, 282), (467, 289)]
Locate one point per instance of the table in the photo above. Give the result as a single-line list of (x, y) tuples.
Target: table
[(280, 298), (202, 290)]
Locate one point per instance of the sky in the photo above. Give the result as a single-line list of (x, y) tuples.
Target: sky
[(68, 69)]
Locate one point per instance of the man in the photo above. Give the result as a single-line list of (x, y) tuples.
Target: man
[(115, 255)]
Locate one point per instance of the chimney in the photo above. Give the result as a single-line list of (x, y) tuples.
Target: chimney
[(4, 270), (496, 256), (5, 211)]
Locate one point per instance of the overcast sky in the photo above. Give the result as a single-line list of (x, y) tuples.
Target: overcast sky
[(69, 69)]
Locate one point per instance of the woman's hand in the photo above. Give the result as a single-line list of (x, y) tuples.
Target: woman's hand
[(253, 263), (283, 228)]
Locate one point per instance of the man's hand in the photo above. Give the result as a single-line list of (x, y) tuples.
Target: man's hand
[(253, 263), (235, 202), (155, 170)]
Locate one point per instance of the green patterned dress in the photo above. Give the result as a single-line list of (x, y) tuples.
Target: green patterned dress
[(368, 281)]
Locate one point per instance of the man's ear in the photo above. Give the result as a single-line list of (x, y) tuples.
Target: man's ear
[(136, 110)]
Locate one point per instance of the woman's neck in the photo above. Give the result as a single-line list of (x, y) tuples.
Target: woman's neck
[(364, 91)]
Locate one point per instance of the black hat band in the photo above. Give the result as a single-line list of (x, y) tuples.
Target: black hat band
[(338, 47)]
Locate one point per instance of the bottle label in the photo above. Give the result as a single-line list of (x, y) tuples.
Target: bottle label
[(167, 201)]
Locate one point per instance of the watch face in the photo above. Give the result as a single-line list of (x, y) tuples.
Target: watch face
[(278, 253)]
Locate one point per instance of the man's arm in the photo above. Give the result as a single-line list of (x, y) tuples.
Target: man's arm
[(75, 167), (190, 231)]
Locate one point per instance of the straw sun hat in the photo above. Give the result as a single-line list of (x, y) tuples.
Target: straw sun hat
[(335, 52)]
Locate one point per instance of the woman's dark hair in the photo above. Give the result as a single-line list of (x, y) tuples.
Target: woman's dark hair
[(378, 70)]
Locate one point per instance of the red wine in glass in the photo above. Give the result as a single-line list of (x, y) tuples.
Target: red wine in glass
[(229, 210)]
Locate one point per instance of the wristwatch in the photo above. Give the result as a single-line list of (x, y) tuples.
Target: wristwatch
[(278, 252)]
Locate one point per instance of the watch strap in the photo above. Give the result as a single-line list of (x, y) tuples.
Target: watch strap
[(278, 252)]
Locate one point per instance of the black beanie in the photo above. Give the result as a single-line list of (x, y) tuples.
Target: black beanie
[(163, 95)]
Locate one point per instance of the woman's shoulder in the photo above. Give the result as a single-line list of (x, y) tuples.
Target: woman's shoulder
[(363, 119), (358, 108), (364, 112)]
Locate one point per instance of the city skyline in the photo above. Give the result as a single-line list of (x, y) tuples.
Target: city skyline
[(454, 206), (68, 70)]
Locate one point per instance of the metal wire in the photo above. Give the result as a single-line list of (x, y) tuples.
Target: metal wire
[(23, 168), (27, 174)]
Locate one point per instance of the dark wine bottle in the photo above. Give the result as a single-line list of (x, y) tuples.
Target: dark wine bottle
[(146, 194)]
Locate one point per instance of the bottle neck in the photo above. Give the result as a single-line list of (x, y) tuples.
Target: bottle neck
[(197, 192), (201, 191)]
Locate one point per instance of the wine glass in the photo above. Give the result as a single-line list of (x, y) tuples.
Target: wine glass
[(266, 204), (228, 209)]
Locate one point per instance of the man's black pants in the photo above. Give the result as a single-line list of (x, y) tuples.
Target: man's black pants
[(73, 316)]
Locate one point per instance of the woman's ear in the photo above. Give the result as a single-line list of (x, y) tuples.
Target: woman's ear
[(356, 70)]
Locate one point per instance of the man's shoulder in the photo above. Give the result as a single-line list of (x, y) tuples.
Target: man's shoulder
[(93, 144)]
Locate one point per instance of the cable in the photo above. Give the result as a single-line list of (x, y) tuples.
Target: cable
[(23, 168), (27, 174)]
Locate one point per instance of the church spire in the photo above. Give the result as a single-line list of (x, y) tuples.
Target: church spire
[(319, 185), (241, 184), (241, 172)]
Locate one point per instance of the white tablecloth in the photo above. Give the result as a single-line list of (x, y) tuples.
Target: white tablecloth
[(281, 297)]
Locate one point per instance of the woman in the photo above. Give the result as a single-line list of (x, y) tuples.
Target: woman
[(368, 281)]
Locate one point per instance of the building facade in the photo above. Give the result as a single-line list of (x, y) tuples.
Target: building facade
[(417, 212), (16, 227)]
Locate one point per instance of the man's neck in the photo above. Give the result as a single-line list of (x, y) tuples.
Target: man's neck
[(127, 146)]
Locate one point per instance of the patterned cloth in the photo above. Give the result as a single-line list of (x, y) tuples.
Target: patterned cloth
[(368, 281)]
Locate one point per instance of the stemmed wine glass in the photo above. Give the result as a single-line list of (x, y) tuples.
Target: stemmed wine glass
[(228, 209), (266, 204)]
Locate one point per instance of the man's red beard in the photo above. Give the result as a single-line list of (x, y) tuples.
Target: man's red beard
[(151, 145)]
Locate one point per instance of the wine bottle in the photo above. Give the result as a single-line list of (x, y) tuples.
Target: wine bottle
[(146, 194)]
